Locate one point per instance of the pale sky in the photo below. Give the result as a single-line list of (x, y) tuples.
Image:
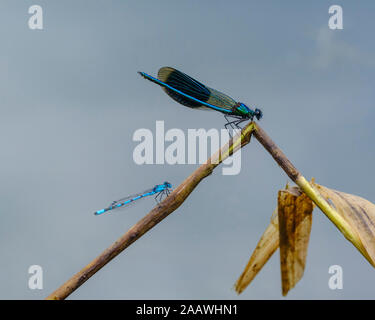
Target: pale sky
[(71, 100)]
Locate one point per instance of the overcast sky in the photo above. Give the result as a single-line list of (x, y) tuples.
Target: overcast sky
[(71, 100)]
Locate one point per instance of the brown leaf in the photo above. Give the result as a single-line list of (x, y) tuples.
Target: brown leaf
[(359, 213), (267, 245), (295, 218)]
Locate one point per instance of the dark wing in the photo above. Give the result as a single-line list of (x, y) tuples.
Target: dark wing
[(186, 84)]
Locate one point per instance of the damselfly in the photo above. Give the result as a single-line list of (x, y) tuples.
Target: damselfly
[(193, 94), (160, 190)]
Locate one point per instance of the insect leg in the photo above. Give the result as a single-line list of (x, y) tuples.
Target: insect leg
[(234, 124), (156, 197), (229, 123), (162, 194), (238, 122)]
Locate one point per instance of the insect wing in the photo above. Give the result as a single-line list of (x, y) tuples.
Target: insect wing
[(221, 100), (186, 84)]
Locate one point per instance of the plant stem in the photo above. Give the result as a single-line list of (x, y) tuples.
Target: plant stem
[(179, 195), (156, 215), (311, 192)]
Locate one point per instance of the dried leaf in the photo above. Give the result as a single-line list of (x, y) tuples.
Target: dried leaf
[(267, 245), (359, 213), (295, 218)]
